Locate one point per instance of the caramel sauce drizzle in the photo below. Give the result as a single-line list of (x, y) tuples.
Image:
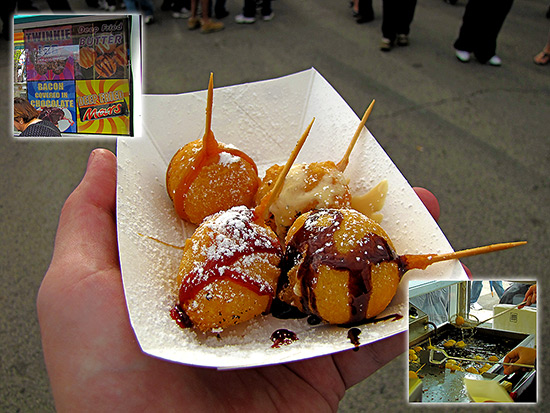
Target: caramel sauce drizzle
[(203, 159), (208, 154)]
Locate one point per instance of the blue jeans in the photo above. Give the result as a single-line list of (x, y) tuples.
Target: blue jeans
[(477, 286)]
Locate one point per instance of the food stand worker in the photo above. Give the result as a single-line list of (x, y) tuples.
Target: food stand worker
[(25, 120), (524, 355)]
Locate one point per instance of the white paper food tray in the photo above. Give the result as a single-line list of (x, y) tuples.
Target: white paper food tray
[(264, 119)]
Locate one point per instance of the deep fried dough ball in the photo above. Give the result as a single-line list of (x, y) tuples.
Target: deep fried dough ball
[(229, 270), (339, 265), (217, 184), (307, 187)]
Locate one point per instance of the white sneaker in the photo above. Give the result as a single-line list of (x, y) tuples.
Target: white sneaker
[(476, 306), (269, 17), (463, 56), (242, 19), (181, 14), (495, 61)]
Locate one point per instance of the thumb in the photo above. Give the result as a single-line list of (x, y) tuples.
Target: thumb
[(87, 225)]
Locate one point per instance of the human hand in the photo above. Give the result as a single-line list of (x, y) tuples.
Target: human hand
[(530, 296), (520, 355), (92, 356)]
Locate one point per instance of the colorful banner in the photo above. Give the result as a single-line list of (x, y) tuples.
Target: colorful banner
[(50, 53), (102, 50), (103, 106), (55, 100)]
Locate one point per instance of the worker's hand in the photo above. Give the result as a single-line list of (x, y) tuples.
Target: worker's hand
[(530, 296), (521, 355)]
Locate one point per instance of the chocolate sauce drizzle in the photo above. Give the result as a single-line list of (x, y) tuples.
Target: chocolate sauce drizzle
[(353, 335), (283, 337), (313, 245)]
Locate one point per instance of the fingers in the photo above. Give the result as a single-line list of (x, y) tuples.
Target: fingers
[(520, 355), (87, 225), (531, 295), (429, 200), (511, 357), (509, 370)]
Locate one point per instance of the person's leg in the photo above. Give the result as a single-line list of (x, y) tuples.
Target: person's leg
[(194, 22), (207, 25), (499, 289), (492, 14), (266, 8), (249, 9), (476, 291), (205, 4), (389, 15), (219, 9), (405, 17), (469, 31), (365, 11), (147, 7)]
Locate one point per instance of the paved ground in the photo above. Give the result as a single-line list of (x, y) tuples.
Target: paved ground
[(477, 136)]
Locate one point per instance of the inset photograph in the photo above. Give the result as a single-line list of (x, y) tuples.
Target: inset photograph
[(472, 341), (76, 75)]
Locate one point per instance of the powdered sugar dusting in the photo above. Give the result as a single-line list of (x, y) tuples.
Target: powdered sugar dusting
[(235, 244), (234, 229), (227, 159)]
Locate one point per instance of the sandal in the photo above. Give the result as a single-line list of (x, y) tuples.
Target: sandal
[(542, 58)]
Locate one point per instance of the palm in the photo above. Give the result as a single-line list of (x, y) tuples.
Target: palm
[(94, 360)]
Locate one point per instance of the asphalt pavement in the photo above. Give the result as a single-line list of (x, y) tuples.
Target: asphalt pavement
[(475, 135)]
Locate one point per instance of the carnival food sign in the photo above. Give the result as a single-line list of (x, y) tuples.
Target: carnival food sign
[(78, 76), (103, 106)]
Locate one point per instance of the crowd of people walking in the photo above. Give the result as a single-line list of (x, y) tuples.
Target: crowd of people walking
[(478, 32)]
